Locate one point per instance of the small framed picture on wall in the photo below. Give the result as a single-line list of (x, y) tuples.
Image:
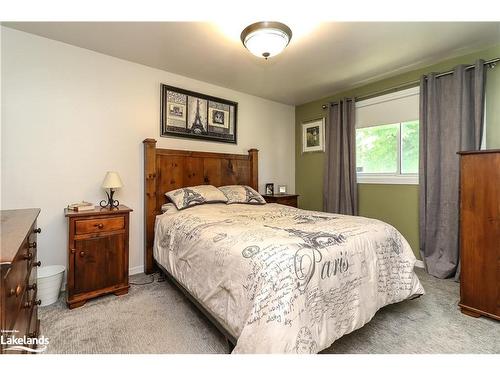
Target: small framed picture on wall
[(281, 189), (269, 189), (313, 136)]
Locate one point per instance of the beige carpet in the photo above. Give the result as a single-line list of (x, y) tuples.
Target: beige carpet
[(157, 318)]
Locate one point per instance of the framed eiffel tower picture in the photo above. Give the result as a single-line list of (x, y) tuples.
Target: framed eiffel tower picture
[(190, 114)]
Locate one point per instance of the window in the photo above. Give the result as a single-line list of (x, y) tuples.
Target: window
[(387, 150)]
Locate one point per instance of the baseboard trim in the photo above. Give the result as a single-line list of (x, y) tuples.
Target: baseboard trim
[(419, 264), (136, 270)]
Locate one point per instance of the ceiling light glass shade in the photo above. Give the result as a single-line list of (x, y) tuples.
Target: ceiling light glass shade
[(266, 39)]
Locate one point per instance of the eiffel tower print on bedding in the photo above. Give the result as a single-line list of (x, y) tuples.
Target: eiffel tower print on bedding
[(194, 115)]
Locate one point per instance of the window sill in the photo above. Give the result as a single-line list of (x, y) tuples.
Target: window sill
[(388, 179)]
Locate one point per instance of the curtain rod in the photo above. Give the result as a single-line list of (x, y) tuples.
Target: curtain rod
[(490, 63)]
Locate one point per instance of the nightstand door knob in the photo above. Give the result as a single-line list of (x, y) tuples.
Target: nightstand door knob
[(100, 225), (82, 253)]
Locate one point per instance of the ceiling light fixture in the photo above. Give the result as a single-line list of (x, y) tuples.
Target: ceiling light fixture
[(266, 39)]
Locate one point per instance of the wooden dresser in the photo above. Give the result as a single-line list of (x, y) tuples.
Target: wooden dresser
[(480, 233), (286, 199), (97, 253), (18, 266)]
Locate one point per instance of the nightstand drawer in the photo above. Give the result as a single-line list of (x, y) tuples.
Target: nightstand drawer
[(289, 201), (99, 225), (285, 199)]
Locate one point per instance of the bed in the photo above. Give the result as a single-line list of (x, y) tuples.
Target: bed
[(272, 278)]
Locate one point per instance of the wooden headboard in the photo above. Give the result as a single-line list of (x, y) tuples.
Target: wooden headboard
[(166, 170)]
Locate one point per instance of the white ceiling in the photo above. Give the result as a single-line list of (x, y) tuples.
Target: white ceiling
[(321, 59)]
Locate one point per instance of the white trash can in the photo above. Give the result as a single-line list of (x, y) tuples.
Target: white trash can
[(49, 281)]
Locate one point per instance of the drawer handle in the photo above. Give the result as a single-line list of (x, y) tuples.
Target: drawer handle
[(33, 334), (32, 286), (82, 253), (37, 230), (32, 245), (29, 304), (28, 256), (100, 225), (16, 292)]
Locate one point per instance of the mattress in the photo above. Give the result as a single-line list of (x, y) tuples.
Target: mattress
[(281, 279)]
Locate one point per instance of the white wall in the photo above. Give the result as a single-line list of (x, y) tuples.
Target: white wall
[(70, 114)]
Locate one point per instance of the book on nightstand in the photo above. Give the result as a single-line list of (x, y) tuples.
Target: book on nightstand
[(81, 206)]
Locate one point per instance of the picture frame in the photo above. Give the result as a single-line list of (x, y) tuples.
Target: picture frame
[(313, 136), (269, 189), (190, 114), (282, 189)]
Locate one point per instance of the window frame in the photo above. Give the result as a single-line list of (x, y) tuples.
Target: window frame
[(396, 178)]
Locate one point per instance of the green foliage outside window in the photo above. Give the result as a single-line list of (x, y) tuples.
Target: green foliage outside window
[(377, 148), (409, 139)]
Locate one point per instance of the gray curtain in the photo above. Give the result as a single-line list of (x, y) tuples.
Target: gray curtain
[(451, 120), (340, 193)]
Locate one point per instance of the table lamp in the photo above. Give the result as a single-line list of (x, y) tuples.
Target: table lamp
[(111, 181)]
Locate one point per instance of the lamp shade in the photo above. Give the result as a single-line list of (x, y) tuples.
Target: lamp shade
[(112, 180)]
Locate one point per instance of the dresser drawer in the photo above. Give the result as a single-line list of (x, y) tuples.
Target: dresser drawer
[(25, 317), (99, 225), (22, 318), (15, 286), (31, 311)]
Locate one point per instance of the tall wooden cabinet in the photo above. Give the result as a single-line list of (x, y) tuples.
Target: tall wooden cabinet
[(480, 233), (97, 253)]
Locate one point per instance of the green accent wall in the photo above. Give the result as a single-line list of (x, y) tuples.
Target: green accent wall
[(394, 204)]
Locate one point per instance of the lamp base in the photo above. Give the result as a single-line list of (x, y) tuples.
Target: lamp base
[(110, 202)]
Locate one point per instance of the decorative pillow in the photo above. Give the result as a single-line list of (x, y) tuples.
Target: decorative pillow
[(242, 194), (194, 195)]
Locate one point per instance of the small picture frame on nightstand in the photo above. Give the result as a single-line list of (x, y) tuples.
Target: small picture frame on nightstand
[(281, 189), (270, 189)]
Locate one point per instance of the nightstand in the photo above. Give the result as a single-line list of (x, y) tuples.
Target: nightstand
[(286, 199), (97, 253)]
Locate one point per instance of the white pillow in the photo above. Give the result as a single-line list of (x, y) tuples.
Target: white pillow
[(242, 194), (169, 207), (194, 195)]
